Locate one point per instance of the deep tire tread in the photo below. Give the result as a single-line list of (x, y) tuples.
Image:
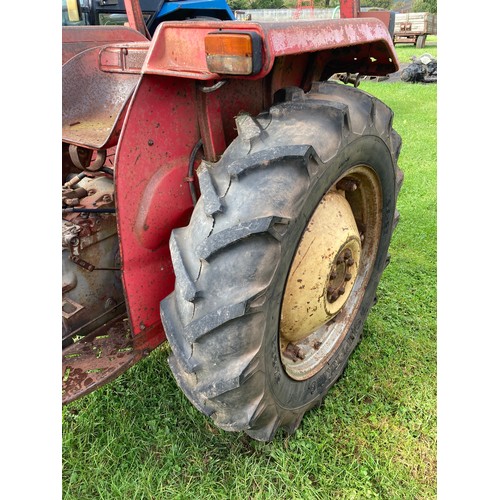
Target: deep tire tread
[(218, 241), (230, 388), (211, 200)]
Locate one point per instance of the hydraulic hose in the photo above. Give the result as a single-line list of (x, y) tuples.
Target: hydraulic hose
[(190, 177)]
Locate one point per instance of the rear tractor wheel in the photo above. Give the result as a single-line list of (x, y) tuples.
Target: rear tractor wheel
[(278, 267)]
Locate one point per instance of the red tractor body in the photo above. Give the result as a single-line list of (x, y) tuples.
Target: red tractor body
[(143, 114)]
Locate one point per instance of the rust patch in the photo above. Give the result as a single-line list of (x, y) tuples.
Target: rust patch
[(104, 355)]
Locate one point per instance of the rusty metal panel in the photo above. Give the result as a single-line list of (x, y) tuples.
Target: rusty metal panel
[(104, 355), (76, 39), (93, 101)]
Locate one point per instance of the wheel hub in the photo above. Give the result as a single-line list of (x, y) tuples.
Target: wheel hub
[(329, 273), (324, 269)]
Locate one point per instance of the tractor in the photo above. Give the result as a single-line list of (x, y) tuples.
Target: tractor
[(222, 193)]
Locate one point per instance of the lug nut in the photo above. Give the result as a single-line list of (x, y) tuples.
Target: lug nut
[(347, 277), (293, 352), (350, 262), (341, 290)]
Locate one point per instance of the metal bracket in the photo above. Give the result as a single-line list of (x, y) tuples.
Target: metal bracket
[(73, 307)]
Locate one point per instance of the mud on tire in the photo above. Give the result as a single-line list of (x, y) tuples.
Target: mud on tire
[(233, 259)]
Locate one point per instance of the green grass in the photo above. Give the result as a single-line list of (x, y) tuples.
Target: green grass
[(375, 434)]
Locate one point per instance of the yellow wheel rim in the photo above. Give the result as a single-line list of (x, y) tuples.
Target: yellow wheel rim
[(329, 272)]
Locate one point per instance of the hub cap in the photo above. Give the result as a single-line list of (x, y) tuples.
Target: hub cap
[(324, 269)]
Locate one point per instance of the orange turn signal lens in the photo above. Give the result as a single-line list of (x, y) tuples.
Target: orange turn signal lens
[(234, 53)]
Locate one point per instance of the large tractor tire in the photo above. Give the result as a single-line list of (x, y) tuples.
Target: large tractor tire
[(277, 270)]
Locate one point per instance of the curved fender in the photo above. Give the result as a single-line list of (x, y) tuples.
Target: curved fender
[(152, 194), (93, 101), (365, 45)]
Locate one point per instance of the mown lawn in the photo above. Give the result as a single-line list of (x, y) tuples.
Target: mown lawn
[(375, 434)]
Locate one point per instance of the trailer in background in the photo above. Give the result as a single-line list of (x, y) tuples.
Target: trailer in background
[(413, 27)]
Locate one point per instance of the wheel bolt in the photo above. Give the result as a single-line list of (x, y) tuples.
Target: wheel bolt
[(341, 290), (347, 254), (347, 277), (350, 262)]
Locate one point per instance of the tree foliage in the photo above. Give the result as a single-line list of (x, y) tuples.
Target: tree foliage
[(425, 6), (380, 4)]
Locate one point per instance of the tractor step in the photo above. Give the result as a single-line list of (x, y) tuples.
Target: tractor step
[(103, 355)]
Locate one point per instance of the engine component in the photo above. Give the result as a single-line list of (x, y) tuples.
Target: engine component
[(91, 285)]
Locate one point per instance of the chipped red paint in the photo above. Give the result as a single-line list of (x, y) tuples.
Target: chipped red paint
[(93, 103), (178, 48), (152, 196), (168, 113)]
